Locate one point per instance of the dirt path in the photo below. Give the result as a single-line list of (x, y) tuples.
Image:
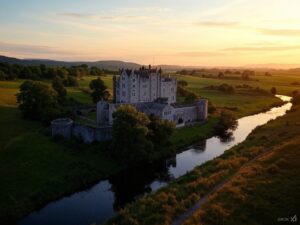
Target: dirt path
[(179, 220)]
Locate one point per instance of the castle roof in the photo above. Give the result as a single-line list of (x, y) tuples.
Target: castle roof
[(142, 71)]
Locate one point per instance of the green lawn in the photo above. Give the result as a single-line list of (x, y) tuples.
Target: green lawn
[(85, 81), (83, 97), (80, 96), (189, 135)]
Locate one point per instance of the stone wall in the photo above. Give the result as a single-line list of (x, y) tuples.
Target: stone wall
[(67, 128)]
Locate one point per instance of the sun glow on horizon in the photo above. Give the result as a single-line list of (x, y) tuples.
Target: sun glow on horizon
[(190, 32)]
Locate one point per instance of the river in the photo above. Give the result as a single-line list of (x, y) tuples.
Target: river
[(100, 202)]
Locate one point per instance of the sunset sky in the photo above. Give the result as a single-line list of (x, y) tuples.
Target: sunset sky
[(183, 32)]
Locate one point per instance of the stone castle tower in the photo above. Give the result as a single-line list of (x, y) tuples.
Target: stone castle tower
[(144, 85)]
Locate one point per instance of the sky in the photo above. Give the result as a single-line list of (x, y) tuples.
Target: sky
[(181, 32)]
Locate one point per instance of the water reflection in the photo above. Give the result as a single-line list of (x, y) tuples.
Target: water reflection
[(199, 147), (226, 136), (134, 182), (101, 201)]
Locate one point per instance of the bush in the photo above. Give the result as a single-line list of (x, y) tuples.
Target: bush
[(296, 99), (227, 121)]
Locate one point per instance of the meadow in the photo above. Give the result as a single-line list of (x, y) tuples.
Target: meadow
[(36, 169), (244, 102)]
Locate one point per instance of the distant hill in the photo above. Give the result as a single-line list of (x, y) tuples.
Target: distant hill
[(105, 64)]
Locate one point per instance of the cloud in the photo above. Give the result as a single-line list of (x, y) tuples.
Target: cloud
[(200, 54), (76, 15), (30, 49), (263, 48), (217, 24), (280, 32), (120, 14)]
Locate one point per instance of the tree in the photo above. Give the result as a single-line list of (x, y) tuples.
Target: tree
[(182, 83), (221, 75), (99, 90), (129, 132), (2, 75), (190, 97), (227, 121), (70, 81), (160, 131), (273, 90), (296, 99), (38, 101), (95, 71), (57, 85)]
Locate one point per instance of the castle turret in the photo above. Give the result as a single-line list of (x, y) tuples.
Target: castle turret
[(62, 127), (202, 107)]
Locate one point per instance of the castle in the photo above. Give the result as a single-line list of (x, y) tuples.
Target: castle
[(143, 85), (152, 93), (147, 90)]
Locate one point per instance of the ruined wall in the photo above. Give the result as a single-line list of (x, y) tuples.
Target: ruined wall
[(67, 128)]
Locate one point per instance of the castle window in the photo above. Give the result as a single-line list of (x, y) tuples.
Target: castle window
[(133, 80), (133, 94), (123, 85), (133, 86), (123, 93)]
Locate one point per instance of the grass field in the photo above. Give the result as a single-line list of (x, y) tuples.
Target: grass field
[(282, 81), (246, 103), (83, 97), (33, 168)]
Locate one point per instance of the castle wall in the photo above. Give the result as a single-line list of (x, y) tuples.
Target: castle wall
[(85, 133), (185, 114)]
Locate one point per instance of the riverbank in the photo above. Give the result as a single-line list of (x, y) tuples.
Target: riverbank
[(263, 191), (176, 198), (59, 168), (35, 170)]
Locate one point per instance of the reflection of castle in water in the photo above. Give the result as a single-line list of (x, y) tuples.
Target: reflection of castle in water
[(134, 182)]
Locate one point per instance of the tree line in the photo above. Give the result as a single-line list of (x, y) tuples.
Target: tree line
[(43, 102), (13, 71)]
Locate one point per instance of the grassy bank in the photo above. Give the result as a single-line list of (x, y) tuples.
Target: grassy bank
[(188, 135), (34, 169), (181, 194), (263, 192)]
